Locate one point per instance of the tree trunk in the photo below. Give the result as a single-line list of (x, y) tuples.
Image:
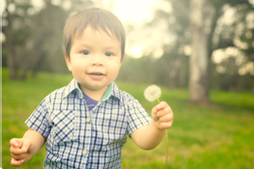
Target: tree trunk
[(198, 84), (37, 51), (11, 60)]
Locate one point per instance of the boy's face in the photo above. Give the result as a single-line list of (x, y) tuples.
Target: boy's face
[(95, 60)]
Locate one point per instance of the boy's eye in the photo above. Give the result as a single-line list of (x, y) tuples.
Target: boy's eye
[(85, 52), (108, 54)]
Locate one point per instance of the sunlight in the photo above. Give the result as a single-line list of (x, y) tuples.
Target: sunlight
[(134, 11), (38, 4), (135, 51), (158, 53), (218, 56), (3, 5), (131, 11), (3, 38)]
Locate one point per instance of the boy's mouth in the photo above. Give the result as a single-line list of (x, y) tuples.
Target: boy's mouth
[(96, 73)]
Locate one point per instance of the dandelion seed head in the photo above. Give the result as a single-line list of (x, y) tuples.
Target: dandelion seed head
[(152, 93)]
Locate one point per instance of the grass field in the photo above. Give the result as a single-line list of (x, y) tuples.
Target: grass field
[(220, 136)]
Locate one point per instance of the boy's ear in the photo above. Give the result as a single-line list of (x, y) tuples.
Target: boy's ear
[(68, 61)]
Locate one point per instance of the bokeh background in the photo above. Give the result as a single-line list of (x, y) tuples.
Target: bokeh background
[(200, 52)]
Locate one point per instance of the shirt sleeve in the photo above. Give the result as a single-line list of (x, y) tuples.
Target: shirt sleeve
[(138, 116), (38, 120)]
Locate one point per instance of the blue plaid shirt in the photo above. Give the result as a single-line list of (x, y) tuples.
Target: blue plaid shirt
[(79, 138)]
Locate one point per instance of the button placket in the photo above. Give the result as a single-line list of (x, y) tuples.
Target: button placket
[(87, 140), (88, 119), (85, 152)]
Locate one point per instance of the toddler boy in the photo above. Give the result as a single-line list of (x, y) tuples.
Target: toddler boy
[(85, 123)]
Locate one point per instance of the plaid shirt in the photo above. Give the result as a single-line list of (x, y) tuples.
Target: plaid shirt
[(79, 138)]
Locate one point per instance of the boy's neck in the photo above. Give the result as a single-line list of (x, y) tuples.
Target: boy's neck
[(94, 94)]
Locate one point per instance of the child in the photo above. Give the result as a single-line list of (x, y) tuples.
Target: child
[(85, 123)]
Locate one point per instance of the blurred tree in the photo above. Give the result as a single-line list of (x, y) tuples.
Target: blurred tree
[(236, 69), (34, 35), (172, 67), (203, 26), (199, 23), (198, 82), (10, 30), (45, 36)]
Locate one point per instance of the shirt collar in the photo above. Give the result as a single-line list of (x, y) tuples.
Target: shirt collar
[(115, 91), (112, 90), (73, 86)]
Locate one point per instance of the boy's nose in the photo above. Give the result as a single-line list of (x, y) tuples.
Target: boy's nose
[(97, 61)]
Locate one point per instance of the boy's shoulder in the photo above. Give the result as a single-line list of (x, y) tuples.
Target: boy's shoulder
[(64, 92), (123, 96)]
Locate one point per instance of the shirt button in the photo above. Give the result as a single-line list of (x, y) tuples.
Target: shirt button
[(84, 152), (88, 119)]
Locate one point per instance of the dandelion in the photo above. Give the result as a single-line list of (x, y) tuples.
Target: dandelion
[(152, 93)]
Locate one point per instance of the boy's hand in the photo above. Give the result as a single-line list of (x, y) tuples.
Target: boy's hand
[(162, 116), (20, 151)]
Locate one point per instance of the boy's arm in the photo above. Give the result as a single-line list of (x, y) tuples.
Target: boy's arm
[(148, 137), (36, 138), (25, 148)]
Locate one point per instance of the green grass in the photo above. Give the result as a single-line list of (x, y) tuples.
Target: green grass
[(202, 137)]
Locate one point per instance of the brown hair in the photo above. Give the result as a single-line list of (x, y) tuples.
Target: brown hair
[(97, 19)]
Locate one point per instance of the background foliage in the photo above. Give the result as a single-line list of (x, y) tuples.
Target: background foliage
[(33, 41)]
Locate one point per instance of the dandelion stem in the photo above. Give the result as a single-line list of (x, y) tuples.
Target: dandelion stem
[(166, 143), (158, 100), (166, 149)]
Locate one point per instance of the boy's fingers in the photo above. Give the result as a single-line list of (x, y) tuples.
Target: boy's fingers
[(154, 114), (18, 156), (166, 118), (166, 125), (162, 105), (27, 145), (16, 162), (16, 150), (164, 112), (154, 110), (15, 142)]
